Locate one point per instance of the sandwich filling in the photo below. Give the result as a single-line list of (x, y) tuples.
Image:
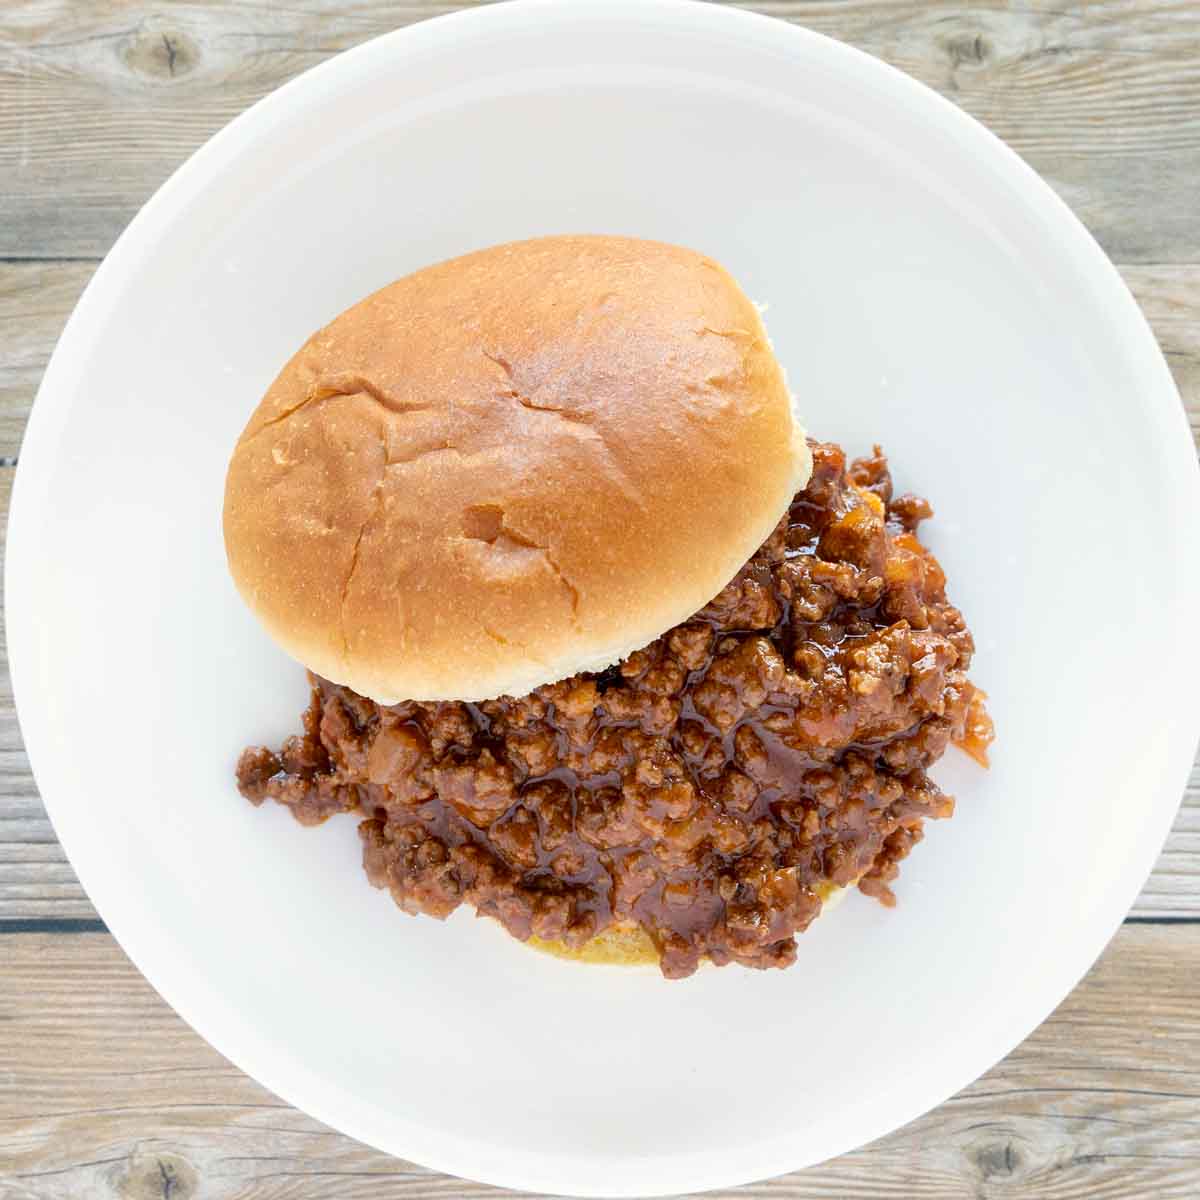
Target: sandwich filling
[(711, 788)]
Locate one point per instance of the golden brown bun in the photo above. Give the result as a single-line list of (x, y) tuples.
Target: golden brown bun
[(627, 944), (511, 467)]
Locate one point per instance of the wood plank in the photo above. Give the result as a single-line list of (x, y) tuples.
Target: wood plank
[(106, 1093), (1170, 298), (100, 101), (35, 300)]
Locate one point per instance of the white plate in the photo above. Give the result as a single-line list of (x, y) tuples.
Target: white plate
[(925, 289)]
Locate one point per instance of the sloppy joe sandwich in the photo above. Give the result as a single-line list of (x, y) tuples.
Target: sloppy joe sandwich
[(599, 644)]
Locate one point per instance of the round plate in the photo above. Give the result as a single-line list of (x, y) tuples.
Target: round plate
[(926, 291)]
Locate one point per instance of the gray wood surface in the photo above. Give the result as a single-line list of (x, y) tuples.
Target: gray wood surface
[(107, 1094), (103, 1091), (100, 101)]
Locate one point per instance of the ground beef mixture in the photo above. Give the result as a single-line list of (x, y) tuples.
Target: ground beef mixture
[(714, 787)]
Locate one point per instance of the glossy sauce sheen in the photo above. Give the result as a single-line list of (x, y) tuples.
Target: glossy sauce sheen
[(713, 787)]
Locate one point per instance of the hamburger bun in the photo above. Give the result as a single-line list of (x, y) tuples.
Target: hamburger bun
[(627, 944), (511, 467)]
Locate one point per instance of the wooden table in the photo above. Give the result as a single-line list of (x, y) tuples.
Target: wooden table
[(104, 1092)]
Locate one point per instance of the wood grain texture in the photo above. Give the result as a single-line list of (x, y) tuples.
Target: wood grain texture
[(35, 301), (100, 101), (106, 1093)]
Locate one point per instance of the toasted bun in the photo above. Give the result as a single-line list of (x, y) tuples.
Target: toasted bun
[(627, 944), (511, 467)]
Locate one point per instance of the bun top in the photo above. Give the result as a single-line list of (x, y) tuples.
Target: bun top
[(511, 467)]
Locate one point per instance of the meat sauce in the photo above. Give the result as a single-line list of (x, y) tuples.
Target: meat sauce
[(714, 787)]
